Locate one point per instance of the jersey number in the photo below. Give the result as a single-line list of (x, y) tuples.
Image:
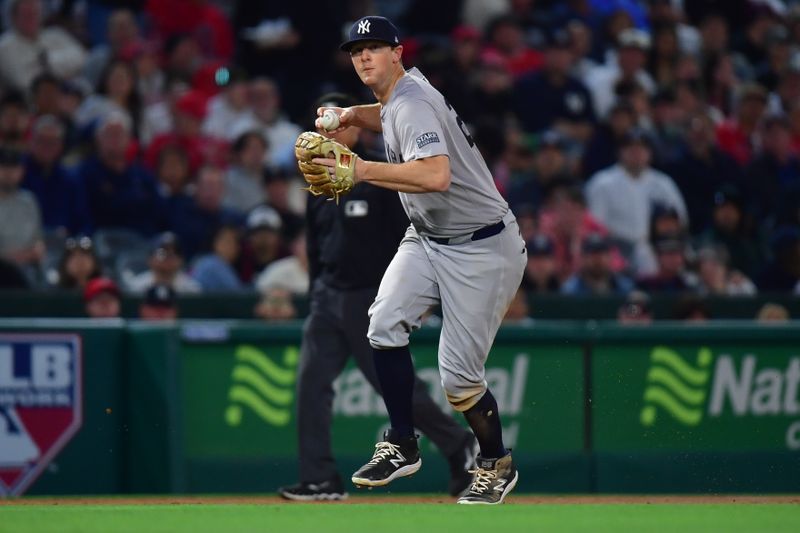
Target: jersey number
[(461, 126)]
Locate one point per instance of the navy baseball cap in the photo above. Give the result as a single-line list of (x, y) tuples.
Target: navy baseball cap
[(637, 135), (669, 244), (595, 243), (165, 243), (552, 139), (372, 28), (728, 194)]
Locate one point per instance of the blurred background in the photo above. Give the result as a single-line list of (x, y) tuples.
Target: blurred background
[(147, 171)]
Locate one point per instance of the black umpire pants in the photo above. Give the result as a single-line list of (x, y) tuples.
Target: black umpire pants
[(335, 329)]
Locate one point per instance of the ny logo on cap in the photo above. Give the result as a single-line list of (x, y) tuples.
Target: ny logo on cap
[(363, 27)]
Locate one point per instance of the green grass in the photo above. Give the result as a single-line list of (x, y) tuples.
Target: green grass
[(391, 518)]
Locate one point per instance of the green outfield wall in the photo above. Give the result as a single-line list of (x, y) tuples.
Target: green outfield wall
[(209, 406)]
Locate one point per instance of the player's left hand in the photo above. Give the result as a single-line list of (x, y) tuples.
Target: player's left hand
[(331, 164), (325, 175)]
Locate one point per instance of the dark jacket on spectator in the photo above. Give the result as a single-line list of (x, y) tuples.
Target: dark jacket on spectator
[(61, 195), (539, 104), (129, 199), (194, 226), (767, 180), (698, 179)]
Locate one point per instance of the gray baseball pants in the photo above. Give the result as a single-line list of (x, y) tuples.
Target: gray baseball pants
[(335, 330), (474, 281)]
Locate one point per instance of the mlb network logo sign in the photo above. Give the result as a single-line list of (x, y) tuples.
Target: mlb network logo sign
[(40, 404)]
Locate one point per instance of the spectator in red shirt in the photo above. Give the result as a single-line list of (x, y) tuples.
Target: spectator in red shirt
[(200, 18), (567, 222), (737, 136), (507, 39), (189, 112)]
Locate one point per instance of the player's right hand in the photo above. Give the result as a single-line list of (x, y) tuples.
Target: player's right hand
[(345, 119)]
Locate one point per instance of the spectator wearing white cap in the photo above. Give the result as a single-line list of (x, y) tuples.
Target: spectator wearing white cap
[(262, 244)]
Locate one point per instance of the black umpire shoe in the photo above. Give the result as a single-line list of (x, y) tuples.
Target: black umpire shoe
[(393, 458), (331, 489), (494, 479), (462, 463)]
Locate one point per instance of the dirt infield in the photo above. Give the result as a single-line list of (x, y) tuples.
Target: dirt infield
[(522, 499)]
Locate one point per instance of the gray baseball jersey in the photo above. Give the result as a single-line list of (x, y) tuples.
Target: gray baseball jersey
[(418, 122), (473, 281)]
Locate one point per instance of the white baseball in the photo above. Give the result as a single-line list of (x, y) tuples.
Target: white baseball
[(329, 120)]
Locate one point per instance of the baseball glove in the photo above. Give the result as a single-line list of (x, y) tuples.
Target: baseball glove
[(319, 177)]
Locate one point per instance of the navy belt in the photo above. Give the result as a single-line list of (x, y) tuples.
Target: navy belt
[(483, 233)]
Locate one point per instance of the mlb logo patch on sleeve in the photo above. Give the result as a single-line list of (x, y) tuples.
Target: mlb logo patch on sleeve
[(427, 138)]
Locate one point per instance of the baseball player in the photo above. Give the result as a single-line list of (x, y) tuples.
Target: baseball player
[(349, 244), (463, 250)]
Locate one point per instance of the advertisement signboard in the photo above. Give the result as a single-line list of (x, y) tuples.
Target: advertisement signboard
[(238, 402), (715, 397), (40, 404)]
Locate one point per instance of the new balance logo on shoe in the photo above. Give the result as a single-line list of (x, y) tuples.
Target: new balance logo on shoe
[(390, 461), (494, 479), (397, 462)]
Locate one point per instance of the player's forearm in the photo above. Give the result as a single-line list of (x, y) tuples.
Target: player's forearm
[(420, 176), (367, 116)]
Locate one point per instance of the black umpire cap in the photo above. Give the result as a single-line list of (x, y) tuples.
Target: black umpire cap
[(372, 28)]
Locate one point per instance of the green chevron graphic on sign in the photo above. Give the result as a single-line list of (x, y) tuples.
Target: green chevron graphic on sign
[(676, 386), (263, 386)]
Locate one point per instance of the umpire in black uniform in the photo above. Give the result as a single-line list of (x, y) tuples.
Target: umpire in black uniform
[(350, 244)]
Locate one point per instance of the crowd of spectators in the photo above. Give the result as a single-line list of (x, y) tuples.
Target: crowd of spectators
[(646, 146)]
